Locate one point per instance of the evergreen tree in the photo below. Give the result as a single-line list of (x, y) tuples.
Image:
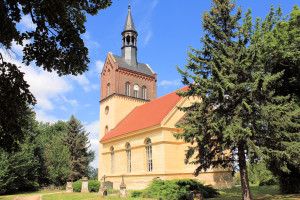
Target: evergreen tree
[(237, 95), (77, 140)]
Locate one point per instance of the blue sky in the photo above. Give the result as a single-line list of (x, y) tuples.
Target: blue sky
[(166, 29)]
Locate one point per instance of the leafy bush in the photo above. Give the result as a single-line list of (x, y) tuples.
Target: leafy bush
[(176, 189), (271, 181), (94, 185), (77, 186)]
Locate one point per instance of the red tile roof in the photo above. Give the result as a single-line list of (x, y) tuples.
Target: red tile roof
[(147, 115)]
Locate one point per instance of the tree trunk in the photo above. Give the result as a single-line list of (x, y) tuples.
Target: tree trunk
[(243, 173)]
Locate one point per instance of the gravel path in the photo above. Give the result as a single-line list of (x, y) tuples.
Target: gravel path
[(29, 197)]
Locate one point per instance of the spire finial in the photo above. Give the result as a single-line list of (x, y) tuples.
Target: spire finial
[(129, 5)]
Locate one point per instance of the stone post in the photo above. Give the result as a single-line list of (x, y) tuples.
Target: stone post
[(123, 188), (69, 187), (85, 185)]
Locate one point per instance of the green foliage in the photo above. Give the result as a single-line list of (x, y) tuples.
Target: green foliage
[(58, 161), (76, 139), (175, 189), (54, 44), (136, 193), (94, 185), (277, 40), (18, 170), (77, 185), (240, 81), (259, 174)]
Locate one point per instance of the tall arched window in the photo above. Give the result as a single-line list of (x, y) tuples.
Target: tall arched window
[(112, 157), (143, 92), (128, 152), (108, 89), (136, 91), (127, 89), (149, 163)]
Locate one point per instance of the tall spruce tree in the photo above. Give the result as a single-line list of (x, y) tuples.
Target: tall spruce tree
[(77, 140), (237, 95)]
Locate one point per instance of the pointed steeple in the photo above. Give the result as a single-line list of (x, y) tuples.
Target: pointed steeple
[(129, 26), (129, 38)]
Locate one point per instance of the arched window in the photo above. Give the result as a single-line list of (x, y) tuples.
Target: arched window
[(128, 152), (112, 157), (127, 89), (106, 110), (136, 91), (106, 129), (149, 163), (143, 92), (108, 89)]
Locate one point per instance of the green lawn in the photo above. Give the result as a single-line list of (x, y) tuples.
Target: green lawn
[(258, 193)]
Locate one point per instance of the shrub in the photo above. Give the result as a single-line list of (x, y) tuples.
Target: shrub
[(94, 185), (271, 181), (176, 189), (136, 193), (77, 186)]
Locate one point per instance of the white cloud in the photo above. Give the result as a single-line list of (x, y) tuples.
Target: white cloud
[(45, 86), (148, 36), (93, 128), (81, 79), (170, 83), (43, 117), (73, 102), (89, 42), (99, 66), (27, 23), (95, 147)]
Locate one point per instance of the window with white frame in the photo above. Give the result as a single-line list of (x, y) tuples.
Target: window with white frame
[(149, 163), (108, 89), (128, 152), (136, 91)]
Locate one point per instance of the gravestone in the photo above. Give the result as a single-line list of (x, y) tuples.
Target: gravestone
[(109, 184), (103, 188), (85, 185), (196, 196), (69, 187), (52, 187), (123, 188)]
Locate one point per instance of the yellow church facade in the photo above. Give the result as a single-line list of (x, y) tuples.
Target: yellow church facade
[(136, 128)]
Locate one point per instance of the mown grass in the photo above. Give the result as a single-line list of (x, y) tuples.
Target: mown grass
[(258, 193), (80, 196)]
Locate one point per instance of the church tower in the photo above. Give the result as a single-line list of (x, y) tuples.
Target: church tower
[(125, 84)]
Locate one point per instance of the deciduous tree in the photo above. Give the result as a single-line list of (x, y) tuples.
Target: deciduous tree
[(55, 44)]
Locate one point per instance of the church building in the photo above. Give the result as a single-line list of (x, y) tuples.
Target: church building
[(136, 127)]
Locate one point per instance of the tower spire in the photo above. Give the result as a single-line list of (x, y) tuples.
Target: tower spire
[(129, 37)]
